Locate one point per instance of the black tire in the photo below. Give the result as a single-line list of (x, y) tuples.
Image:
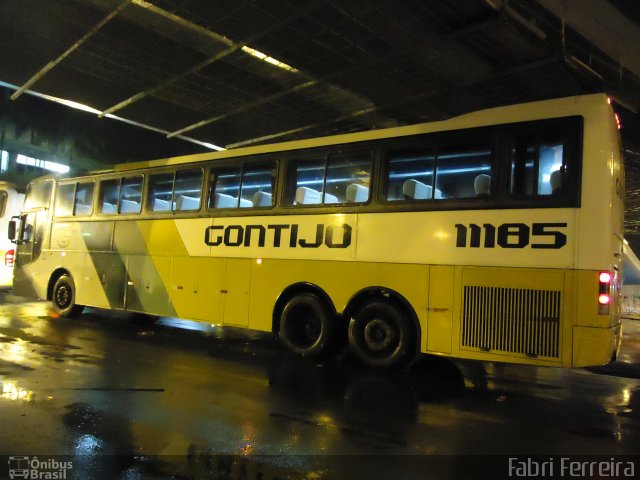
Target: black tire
[(64, 297), (306, 325), (380, 335)]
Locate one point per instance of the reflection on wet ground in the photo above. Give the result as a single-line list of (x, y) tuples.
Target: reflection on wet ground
[(199, 401)]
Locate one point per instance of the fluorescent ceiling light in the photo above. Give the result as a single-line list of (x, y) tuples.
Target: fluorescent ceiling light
[(266, 58)]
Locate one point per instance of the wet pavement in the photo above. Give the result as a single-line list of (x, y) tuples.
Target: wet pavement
[(122, 398)]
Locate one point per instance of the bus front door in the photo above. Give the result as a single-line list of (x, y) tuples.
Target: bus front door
[(28, 246)]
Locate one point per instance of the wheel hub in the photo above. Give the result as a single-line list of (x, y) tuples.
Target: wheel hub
[(306, 330), (379, 334), (63, 296)]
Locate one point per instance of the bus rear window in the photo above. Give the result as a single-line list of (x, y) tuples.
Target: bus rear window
[(537, 164)]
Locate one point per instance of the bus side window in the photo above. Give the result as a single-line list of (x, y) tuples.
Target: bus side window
[(459, 165), (187, 190), (64, 199), (3, 202), (305, 182), (257, 185), (109, 191), (131, 195), (83, 205), (38, 195), (348, 178), (410, 174), (224, 187), (159, 192), (537, 164)]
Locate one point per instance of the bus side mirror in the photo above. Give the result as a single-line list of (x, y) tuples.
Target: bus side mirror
[(13, 230)]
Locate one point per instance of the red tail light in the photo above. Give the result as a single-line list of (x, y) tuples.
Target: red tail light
[(605, 277), (604, 292), (8, 258)]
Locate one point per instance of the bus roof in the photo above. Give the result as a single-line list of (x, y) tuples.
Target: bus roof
[(506, 114)]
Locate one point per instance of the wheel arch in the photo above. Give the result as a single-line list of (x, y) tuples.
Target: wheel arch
[(389, 295), (55, 275), (290, 292)]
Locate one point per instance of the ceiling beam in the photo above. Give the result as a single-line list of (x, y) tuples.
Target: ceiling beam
[(230, 47), (604, 26), (49, 66), (453, 35)]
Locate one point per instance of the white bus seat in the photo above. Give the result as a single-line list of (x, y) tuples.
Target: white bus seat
[(482, 185), (83, 209), (328, 198), (160, 205), (244, 203), (108, 208), (357, 193), (223, 200), (262, 199), (308, 196), (417, 190), (129, 206), (187, 203)]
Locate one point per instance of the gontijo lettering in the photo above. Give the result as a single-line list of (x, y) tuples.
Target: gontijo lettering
[(278, 235)]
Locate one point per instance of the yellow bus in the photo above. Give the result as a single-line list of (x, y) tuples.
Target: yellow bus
[(496, 235), (10, 205)]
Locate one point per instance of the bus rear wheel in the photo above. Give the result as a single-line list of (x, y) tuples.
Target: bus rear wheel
[(380, 335), (64, 297), (306, 325)]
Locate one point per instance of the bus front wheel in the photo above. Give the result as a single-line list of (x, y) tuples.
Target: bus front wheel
[(64, 297), (379, 334), (306, 325)]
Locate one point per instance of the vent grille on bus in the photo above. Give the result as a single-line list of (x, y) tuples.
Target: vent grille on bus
[(512, 320)]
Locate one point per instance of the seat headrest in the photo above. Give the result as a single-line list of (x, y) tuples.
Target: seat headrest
[(416, 190), (308, 196), (482, 184), (262, 199), (357, 193), (555, 179)]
